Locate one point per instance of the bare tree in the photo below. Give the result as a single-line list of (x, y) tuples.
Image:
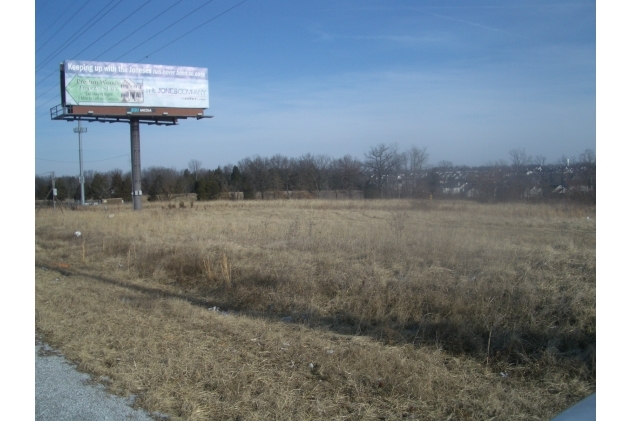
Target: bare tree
[(414, 162), (444, 165), (195, 166), (417, 158), (314, 172), (588, 157), (540, 160), (565, 160), (161, 182), (519, 158), (256, 170), (280, 166), (381, 162), (347, 174)]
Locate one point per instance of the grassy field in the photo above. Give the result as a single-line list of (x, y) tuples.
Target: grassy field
[(305, 310)]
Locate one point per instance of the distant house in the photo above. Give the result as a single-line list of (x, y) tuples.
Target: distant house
[(581, 189), (460, 188), (131, 91), (560, 189), (533, 193), (472, 193)]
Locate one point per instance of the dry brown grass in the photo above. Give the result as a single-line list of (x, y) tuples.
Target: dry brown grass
[(422, 303)]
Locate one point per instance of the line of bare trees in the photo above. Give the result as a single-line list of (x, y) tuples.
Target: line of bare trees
[(384, 172)]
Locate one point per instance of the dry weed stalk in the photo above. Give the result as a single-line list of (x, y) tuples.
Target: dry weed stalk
[(208, 270), (226, 269)]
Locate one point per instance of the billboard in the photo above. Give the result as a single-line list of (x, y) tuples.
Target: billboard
[(134, 85)]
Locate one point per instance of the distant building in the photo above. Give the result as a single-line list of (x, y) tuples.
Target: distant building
[(131, 91)]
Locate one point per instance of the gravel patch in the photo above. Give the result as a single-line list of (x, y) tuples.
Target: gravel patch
[(63, 393)]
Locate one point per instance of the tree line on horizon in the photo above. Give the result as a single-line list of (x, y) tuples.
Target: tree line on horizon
[(385, 172)]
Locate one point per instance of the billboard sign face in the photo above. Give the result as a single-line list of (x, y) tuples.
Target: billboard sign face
[(134, 85)]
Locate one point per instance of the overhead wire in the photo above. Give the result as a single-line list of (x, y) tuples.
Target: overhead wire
[(62, 26), (41, 7), (153, 36), (41, 105), (69, 39), (153, 52), (95, 41), (194, 29), (74, 37), (161, 31), (72, 162), (138, 29), (55, 21), (79, 32)]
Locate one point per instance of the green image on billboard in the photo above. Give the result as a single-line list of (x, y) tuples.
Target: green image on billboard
[(104, 90)]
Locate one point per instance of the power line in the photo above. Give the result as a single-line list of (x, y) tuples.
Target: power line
[(47, 102), (41, 7), (194, 29), (159, 32), (51, 25), (114, 27), (153, 36), (77, 34), (73, 162), (50, 89), (95, 41), (163, 12), (138, 29), (62, 26)]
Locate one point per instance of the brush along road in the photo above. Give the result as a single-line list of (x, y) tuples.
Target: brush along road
[(62, 393)]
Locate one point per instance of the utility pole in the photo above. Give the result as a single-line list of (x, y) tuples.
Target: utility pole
[(54, 190), (80, 130)]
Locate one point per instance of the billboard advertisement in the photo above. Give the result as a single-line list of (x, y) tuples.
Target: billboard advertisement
[(134, 85)]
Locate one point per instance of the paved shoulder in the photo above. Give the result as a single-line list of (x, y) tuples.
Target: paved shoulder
[(62, 393), (585, 410)]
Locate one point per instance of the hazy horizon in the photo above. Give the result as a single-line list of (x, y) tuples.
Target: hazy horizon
[(468, 82)]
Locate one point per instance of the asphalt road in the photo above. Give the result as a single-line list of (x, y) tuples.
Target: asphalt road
[(63, 393)]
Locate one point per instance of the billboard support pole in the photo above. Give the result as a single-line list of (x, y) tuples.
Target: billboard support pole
[(136, 193)]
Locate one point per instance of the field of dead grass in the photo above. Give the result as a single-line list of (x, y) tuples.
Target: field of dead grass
[(326, 309)]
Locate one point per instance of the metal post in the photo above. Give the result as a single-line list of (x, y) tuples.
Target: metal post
[(136, 193), (54, 191), (80, 130)]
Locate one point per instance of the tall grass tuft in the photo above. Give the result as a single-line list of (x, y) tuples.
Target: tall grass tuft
[(208, 271)]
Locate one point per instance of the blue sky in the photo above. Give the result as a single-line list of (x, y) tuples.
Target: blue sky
[(468, 80)]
